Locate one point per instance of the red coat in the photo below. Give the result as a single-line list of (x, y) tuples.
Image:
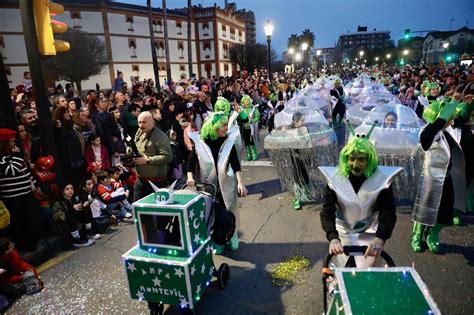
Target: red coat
[(18, 265), (89, 156)]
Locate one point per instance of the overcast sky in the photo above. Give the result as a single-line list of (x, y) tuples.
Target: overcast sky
[(328, 19)]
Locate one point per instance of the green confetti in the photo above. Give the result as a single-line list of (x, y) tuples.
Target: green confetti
[(288, 272)]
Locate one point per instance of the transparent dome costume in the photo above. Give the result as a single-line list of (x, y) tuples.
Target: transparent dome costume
[(366, 102), (301, 141), (395, 137)]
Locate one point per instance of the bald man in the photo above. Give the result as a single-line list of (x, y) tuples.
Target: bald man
[(155, 150)]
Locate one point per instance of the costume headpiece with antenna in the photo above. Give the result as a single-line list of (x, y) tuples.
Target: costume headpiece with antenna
[(430, 86), (222, 105), (358, 143), (214, 122)]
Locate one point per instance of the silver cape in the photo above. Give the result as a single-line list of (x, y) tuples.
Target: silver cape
[(433, 174)]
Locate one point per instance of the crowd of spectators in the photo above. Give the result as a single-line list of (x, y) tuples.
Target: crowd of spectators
[(91, 132)]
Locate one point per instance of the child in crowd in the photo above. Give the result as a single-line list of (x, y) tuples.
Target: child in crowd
[(93, 206), (113, 198), (17, 277), (66, 216), (96, 155)]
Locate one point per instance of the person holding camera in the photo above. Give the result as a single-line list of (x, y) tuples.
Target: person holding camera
[(154, 155)]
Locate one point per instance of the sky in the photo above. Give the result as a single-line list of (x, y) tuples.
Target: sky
[(328, 19)]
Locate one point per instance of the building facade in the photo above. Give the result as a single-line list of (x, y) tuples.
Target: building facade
[(349, 44), (248, 17), (124, 28), (458, 42)]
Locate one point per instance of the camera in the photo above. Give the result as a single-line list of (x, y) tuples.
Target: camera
[(127, 159)]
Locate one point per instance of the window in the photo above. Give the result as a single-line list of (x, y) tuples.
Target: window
[(182, 68), (76, 16), (135, 68), (224, 30), (129, 20), (132, 44), (2, 42), (181, 50), (207, 45), (160, 46), (162, 68), (205, 25), (232, 33), (157, 26), (226, 70), (225, 52), (179, 28)]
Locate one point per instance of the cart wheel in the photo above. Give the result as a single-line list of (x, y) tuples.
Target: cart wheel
[(223, 276), (186, 311), (156, 308)]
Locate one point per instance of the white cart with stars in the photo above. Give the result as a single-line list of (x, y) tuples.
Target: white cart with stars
[(172, 261)]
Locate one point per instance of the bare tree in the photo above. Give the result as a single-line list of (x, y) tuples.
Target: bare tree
[(190, 52), (250, 56), (153, 45), (167, 48), (87, 57)]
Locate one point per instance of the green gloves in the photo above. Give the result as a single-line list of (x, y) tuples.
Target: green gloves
[(465, 109), (449, 110)]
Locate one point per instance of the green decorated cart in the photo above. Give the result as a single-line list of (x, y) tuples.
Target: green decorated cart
[(376, 290), (398, 290), (172, 261)]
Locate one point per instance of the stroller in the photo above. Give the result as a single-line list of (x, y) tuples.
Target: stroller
[(220, 221), (328, 279)]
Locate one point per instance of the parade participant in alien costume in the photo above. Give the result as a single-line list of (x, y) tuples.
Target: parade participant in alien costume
[(234, 117), (438, 193), (250, 128), (429, 93), (358, 204), (214, 150)]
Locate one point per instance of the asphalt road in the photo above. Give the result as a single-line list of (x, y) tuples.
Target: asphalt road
[(92, 280)]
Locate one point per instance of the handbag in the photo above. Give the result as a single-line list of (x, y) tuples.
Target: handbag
[(4, 216)]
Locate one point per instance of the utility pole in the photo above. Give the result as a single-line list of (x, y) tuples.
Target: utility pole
[(42, 103), (190, 53), (6, 107), (153, 46)]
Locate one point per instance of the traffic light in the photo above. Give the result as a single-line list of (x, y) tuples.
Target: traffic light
[(46, 27), (407, 33), (402, 62)]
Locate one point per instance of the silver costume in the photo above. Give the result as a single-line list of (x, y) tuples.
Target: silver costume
[(434, 172)]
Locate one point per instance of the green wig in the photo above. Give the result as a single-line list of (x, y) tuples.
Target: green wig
[(222, 105), (214, 122), (246, 98), (358, 144), (430, 86), (274, 97), (431, 113)]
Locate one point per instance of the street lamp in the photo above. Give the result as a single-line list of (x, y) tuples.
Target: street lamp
[(445, 46), (361, 53), (291, 51), (318, 53), (269, 32), (304, 46), (297, 58), (376, 59), (405, 52)]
